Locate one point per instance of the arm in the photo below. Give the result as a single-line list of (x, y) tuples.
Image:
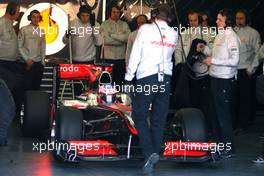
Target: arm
[(135, 56), (122, 36), (255, 43), (129, 47), (178, 53), (209, 47), (21, 48), (233, 54), (43, 48), (107, 39), (65, 39), (261, 52), (98, 39)]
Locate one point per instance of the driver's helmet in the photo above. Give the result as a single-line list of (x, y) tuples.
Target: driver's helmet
[(108, 93)]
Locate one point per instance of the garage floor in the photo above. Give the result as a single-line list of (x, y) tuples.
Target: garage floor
[(20, 159)]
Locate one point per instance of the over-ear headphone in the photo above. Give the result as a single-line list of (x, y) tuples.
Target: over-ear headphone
[(230, 17), (84, 9), (31, 13), (248, 19), (207, 14), (200, 18), (11, 8)]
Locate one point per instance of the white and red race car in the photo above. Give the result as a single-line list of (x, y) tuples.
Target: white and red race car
[(98, 125)]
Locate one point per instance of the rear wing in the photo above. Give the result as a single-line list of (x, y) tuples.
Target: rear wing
[(88, 72)]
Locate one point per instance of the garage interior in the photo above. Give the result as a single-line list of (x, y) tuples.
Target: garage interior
[(19, 157)]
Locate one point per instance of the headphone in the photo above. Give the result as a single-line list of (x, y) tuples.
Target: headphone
[(31, 13), (200, 18), (248, 19), (209, 20), (11, 8), (230, 17)]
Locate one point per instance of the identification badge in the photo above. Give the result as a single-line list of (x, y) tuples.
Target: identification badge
[(160, 76)]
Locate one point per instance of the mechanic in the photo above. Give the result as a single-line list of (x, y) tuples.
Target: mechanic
[(151, 61), (85, 32), (32, 47), (84, 44), (248, 63), (115, 33), (198, 87), (8, 37), (140, 20), (260, 159), (12, 69), (223, 69), (7, 112)]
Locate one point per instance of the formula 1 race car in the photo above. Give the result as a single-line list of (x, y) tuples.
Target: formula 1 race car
[(97, 125)]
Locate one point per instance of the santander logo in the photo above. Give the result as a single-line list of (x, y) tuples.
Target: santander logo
[(69, 68)]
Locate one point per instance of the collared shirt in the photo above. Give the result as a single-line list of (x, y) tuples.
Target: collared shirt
[(32, 44), (225, 55), (8, 40), (250, 44), (84, 39), (187, 37), (152, 52), (115, 35)]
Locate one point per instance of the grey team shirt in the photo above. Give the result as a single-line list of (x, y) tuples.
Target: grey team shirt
[(8, 40)]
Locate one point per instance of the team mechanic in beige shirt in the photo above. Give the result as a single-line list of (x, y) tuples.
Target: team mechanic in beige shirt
[(86, 36), (8, 71), (248, 63), (32, 47), (115, 34), (8, 39)]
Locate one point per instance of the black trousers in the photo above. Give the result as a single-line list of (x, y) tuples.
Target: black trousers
[(151, 136), (244, 95), (119, 70), (221, 114), (33, 76)]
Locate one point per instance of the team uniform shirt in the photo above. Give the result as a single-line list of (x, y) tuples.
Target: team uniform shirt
[(130, 41), (115, 35), (225, 55), (152, 52), (32, 43), (188, 36), (85, 38), (8, 40), (248, 50)]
